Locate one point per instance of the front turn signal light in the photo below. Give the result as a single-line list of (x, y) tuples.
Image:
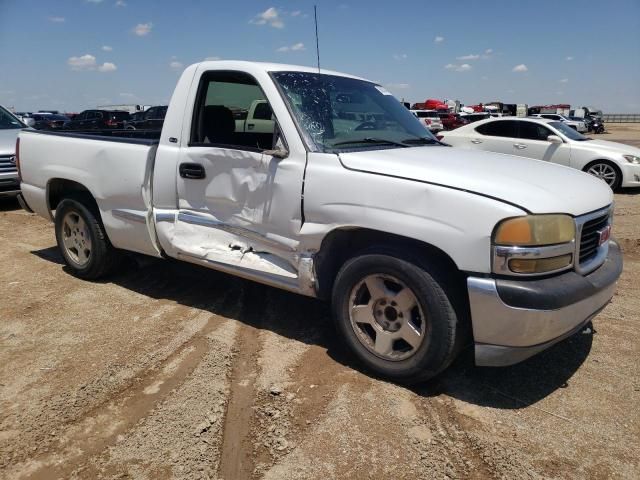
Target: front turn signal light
[(539, 265)]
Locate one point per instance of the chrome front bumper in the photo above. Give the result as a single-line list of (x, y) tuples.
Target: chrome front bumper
[(515, 319)]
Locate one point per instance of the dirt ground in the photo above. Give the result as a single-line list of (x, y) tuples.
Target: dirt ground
[(169, 371)]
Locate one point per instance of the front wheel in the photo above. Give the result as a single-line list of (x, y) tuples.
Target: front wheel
[(82, 240), (606, 172), (396, 317)]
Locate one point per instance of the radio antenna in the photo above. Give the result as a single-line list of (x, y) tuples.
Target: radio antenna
[(315, 16)]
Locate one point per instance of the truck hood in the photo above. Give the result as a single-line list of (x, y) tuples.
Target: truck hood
[(8, 140), (612, 147), (534, 185)]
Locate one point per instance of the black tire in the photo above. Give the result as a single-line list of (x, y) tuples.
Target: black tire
[(615, 185), (103, 257), (441, 342)]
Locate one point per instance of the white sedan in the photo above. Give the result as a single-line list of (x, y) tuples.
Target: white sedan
[(578, 125), (552, 141)]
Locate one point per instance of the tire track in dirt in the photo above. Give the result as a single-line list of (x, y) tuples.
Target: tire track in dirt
[(236, 459), (100, 427)]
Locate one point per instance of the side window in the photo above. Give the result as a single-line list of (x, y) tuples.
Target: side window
[(501, 128), (534, 131), (151, 113), (262, 111), (162, 112), (220, 113), (97, 115)]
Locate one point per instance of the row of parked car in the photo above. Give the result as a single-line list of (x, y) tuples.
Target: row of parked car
[(437, 121), (150, 119)]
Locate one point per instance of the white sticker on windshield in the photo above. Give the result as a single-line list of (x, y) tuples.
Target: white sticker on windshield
[(383, 90)]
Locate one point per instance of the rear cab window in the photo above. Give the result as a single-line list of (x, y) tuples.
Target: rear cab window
[(262, 111)]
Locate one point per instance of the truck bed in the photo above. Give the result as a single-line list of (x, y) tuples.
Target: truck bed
[(139, 137), (115, 169)]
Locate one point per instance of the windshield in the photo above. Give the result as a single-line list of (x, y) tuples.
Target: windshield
[(336, 113), (8, 121), (568, 132)]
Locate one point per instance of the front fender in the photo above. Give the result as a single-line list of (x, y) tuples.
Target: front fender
[(457, 222)]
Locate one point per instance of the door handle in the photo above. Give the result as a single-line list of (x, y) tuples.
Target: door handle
[(191, 170), (519, 146), (476, 141), (250, 126)]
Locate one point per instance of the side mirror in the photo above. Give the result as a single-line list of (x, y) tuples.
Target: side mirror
[(554, 139), (278, 152)]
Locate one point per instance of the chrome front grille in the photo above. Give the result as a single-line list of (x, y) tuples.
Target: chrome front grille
[(7, 164), (590, 253), (590, 237)]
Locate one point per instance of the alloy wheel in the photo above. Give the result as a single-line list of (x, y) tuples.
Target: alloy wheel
[(604, 172), (76, 238), (387, 318)]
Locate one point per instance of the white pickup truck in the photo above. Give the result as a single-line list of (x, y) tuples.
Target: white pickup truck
[(258, 119), (420, 247)]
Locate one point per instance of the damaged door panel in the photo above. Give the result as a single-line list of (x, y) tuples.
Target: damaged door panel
[(241, 210)]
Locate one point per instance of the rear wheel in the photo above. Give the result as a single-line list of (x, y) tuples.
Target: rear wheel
[(395, 316), (81, 238), (606, 172)]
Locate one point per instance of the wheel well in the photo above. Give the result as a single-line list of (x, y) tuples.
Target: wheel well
[(342, 244), (59, 188)]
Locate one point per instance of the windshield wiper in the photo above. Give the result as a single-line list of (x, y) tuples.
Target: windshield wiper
[(422, 141), (379, 141)]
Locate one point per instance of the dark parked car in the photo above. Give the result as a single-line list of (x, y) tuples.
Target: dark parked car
[(451, 121), (136, 116), (98, 120), (48, 121), (474, 117), (150, 119)]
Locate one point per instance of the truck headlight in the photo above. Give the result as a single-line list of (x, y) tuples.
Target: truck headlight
[(632, 159), (534, 244), (535, 230)]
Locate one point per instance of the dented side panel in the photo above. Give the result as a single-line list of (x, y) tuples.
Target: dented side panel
[(246, 213)]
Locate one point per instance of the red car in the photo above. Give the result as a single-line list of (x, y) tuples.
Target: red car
[(451, 121)]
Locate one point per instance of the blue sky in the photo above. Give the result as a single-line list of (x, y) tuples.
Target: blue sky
[(76, 54)]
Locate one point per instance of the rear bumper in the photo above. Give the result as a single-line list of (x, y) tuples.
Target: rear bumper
[(515, 319)]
